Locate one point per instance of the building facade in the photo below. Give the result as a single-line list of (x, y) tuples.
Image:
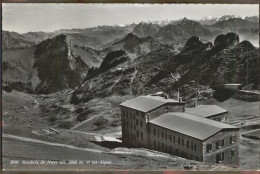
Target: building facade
[(162, 124)]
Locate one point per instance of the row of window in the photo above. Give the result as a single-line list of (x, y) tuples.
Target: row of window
[(134, 136), (169, 137), (131, 114), (169, 149), (221, 156), (132, 126), (221, 143)]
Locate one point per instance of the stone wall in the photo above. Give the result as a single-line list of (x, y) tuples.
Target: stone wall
[(210, 157)]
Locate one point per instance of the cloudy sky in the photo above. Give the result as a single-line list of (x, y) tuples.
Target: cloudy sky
[(49, 17)]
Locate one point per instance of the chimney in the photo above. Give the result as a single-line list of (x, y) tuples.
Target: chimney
[(180, 99), (178, 95)]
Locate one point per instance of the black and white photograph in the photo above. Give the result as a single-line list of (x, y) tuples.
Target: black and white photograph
[(130, 86)]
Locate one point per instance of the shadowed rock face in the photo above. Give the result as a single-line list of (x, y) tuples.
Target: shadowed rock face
[(136, 45), (195, 43), (222, 41), (112, 59), (58, 68)]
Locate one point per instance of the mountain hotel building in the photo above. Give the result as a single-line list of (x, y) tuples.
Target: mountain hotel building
[(159, 123)]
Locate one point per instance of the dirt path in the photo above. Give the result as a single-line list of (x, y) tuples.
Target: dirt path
[(76, 126), (117, 151), (49, 143)]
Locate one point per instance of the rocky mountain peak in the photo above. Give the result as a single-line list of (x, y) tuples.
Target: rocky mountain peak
[(112, 59), (226, 40), (193, 42)]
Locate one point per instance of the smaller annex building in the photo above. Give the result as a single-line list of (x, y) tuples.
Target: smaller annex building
[(163, 124), (213, 112)]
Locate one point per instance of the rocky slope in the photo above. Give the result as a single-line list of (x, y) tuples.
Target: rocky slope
[(50, 66), (136, 46), (181, 31), (164, 70), (15, 40), (58, 68), (145, 29)]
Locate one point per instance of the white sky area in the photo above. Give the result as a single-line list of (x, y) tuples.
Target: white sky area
[(24, 18)]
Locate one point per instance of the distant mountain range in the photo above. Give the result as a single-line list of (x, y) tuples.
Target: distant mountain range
[(208, 20), (39, 62)]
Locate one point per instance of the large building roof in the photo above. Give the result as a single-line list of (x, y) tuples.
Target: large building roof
[(190, 125), (206, 110), (147, 103)]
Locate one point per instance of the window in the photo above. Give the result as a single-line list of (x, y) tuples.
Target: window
[(173, 139), (134, 126), (147, 117), (233, 153), (141, 124), (220, 143), (182, 142), (220, 157), (209, 147), (197, 158), (134, 116), (179, 140), (158, 145), (170, 149), (217, 145), (136, 112), (195, 146), (131, 136), (130, 115), (136, 122), (131, 125), (232, 139), (126, 114), (165, 136), (154, 132), (141, 135), (188, 144), (191, 145), (191, 157), (137, 133), (170, 137), (127, 134), (158, 133), (154, 143), (162, 134), (123, 113), (184, 155), (177, 152), (126, 123), (162, 147)]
